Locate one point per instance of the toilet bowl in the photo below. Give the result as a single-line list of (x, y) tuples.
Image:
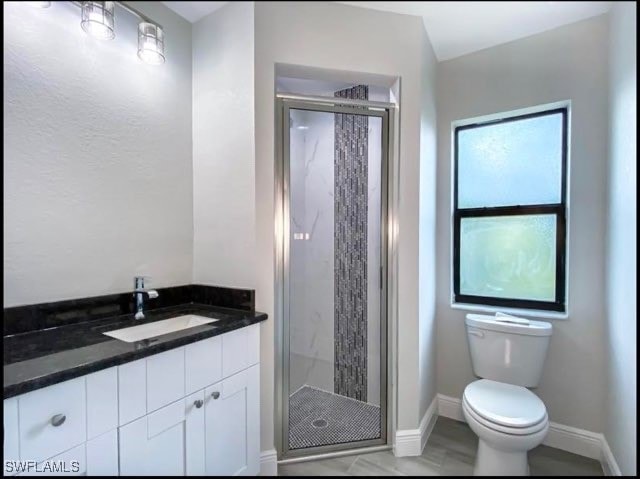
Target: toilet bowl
[(509, 420), (508, 353)]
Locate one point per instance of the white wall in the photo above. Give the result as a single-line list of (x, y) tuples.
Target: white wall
[(97, 156), (223, 148), (569, 63), (427, 225), (620, 425), (360, 40)]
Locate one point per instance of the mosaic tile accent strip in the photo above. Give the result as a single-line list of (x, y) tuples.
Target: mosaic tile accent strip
[(318, 418), (350, 248)]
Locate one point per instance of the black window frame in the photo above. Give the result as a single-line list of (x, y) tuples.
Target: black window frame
[(558, 209)]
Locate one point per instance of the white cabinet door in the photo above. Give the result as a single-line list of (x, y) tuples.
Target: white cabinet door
[(167, 442), (102, 455), (194, 434), (154, 444), (11, 435), (232, 425)]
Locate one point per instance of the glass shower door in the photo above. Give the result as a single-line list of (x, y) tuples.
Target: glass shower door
[(335, 353)]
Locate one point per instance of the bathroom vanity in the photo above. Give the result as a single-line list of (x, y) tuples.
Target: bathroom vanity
[(105, 406)]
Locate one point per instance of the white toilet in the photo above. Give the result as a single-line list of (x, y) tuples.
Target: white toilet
[(508, 353)]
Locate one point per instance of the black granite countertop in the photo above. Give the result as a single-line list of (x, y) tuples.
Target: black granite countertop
[(41, 358)]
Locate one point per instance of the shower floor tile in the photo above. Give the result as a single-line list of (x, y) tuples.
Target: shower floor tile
[(318, 418)]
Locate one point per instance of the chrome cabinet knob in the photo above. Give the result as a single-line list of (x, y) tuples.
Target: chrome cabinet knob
[(198, 403), (215, 395), (58, 420)]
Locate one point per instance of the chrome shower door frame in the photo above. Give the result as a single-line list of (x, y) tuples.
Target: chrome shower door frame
[(385, 111)]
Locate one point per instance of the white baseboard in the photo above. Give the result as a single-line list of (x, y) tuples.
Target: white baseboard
[(411, 442), (428, 421), (269, 463), (608, 460), (570, 439), (450, 407)]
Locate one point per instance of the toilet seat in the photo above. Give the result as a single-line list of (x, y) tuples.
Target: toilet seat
[(505, 407), (508, 431)]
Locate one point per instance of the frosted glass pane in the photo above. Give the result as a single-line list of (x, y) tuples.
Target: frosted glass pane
[(513, 163), (509, 257)]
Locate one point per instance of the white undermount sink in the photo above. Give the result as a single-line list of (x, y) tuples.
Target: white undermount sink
[(158, 328)]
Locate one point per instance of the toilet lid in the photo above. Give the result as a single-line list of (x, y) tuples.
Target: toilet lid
[(505, 404)]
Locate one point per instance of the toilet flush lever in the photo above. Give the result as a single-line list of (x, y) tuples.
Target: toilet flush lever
[(473, 332)]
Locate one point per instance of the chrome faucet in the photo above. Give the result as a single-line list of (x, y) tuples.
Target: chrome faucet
[(139, 293)]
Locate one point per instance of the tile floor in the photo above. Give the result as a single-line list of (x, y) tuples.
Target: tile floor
[(450, 451), (318, 417)]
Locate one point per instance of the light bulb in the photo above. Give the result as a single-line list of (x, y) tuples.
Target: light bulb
[(98, 19), (150, 43)]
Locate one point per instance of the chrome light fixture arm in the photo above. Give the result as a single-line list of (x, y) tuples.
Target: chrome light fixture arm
[(98, 20), (129, 9)]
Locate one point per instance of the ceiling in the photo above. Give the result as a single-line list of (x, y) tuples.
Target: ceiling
[(194, 11), (458, 28)]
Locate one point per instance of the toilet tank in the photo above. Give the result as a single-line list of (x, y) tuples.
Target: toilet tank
[(507, 351)]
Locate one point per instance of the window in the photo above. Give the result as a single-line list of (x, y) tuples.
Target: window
[(510, 194)]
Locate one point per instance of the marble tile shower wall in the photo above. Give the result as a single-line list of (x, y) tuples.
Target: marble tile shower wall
[(350, 248), (311, 258)]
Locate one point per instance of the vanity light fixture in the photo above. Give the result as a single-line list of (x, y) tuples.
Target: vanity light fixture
[(150, 43), (98, 19)]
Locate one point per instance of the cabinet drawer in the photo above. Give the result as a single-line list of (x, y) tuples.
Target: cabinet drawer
[(63, 404), (70, 463), (240, 349), (203, 364)]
